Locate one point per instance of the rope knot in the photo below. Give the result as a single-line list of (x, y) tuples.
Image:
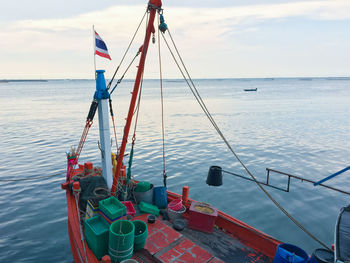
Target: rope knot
[(162, 26)]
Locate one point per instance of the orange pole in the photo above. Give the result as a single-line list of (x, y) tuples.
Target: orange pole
[(185, 191), (152, 6)]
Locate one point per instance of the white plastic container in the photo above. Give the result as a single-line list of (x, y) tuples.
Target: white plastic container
[(176, 214)]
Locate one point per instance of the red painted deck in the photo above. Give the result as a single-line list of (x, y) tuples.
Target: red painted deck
[(160, 236), (231, 240), (167, 245)]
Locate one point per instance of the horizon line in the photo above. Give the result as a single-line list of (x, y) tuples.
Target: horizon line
[(294, 77)]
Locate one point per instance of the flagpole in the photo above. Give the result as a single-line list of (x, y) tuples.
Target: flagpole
[(94, 43)]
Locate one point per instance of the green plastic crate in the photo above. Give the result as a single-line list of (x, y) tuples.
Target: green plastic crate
[(96, 231), (112, 207), (148, 208)]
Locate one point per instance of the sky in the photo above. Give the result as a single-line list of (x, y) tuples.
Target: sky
[(217, 39)]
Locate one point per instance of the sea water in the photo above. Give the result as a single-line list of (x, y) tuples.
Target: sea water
[(298, 126)]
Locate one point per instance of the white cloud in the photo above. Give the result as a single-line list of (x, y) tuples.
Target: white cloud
[(208, 26)]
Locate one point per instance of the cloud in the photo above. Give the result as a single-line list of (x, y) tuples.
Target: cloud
[(121, 21), (208, 27)]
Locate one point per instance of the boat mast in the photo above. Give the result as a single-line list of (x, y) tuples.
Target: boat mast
[(102, 95), (153, 5)]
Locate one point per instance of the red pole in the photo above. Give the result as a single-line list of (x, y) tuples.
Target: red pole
[(153, 4)]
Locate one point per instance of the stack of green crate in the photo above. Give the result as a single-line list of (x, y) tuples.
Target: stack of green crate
[(111, 209), (96, 231)]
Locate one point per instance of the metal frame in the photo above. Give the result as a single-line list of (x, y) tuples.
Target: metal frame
[(267, 183)]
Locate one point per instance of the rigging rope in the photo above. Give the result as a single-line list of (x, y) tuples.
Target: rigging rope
[(134, 135), (161, 96), (120, 80), (211, 119), (112, 116), (111, 81), (89, 121)]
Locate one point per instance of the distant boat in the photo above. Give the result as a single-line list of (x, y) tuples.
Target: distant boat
[(251, 89)]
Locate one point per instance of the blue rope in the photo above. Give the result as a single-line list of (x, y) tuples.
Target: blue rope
[(162, 26), (331, 176)]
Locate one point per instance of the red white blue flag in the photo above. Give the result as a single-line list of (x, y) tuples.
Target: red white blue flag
[(100, 47)]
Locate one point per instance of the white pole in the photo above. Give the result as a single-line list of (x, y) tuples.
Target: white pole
[(103, 121), (94, 46), (105, 142)]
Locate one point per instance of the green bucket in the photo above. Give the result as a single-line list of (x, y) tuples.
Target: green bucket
[(143, 186), (141, 232), (121, 240)]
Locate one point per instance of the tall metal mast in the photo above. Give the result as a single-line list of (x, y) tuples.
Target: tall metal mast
[(153, 5)]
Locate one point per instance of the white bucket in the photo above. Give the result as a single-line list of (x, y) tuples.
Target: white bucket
[(146, 197), (176, 214)]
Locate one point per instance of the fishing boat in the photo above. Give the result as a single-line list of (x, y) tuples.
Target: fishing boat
[(114, 218), (255, 89)]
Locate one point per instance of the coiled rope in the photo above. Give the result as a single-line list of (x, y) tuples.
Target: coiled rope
[(194, 91)]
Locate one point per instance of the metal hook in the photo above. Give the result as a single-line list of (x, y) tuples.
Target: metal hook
[(102, 151)]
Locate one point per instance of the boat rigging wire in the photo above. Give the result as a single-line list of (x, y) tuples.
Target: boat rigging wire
[(162, 101), (131, 156), (115, 72), (112, 117), (122, 77), (31, 178), (211, 119)]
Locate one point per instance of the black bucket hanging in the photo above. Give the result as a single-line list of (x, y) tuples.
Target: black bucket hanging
[(214, 176)]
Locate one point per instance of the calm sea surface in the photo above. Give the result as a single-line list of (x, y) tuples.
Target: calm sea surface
[(299, 126)]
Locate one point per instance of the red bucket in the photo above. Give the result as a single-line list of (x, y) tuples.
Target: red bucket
[(175, 205)]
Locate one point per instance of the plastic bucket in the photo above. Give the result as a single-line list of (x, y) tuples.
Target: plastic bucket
[(143, 186), (146, 197), (322, 255), (175, 205), (176, 214), (214, 176), (141, 232), (129, 261), (121, 240), (160, 197), (287, 253)]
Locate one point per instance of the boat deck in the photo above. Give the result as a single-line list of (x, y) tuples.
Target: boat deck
[(231, 241), (165, 244)]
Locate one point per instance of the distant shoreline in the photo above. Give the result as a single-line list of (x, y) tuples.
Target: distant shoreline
[(180, 79), (22, 80)]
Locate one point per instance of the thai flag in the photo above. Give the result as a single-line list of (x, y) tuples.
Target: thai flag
[(100, 47)]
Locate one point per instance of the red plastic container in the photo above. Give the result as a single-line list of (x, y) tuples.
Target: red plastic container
[(175, 205), (130, 210), (202, 217)]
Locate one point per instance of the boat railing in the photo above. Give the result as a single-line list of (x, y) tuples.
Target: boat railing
[(268, 170), (289, 176)]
